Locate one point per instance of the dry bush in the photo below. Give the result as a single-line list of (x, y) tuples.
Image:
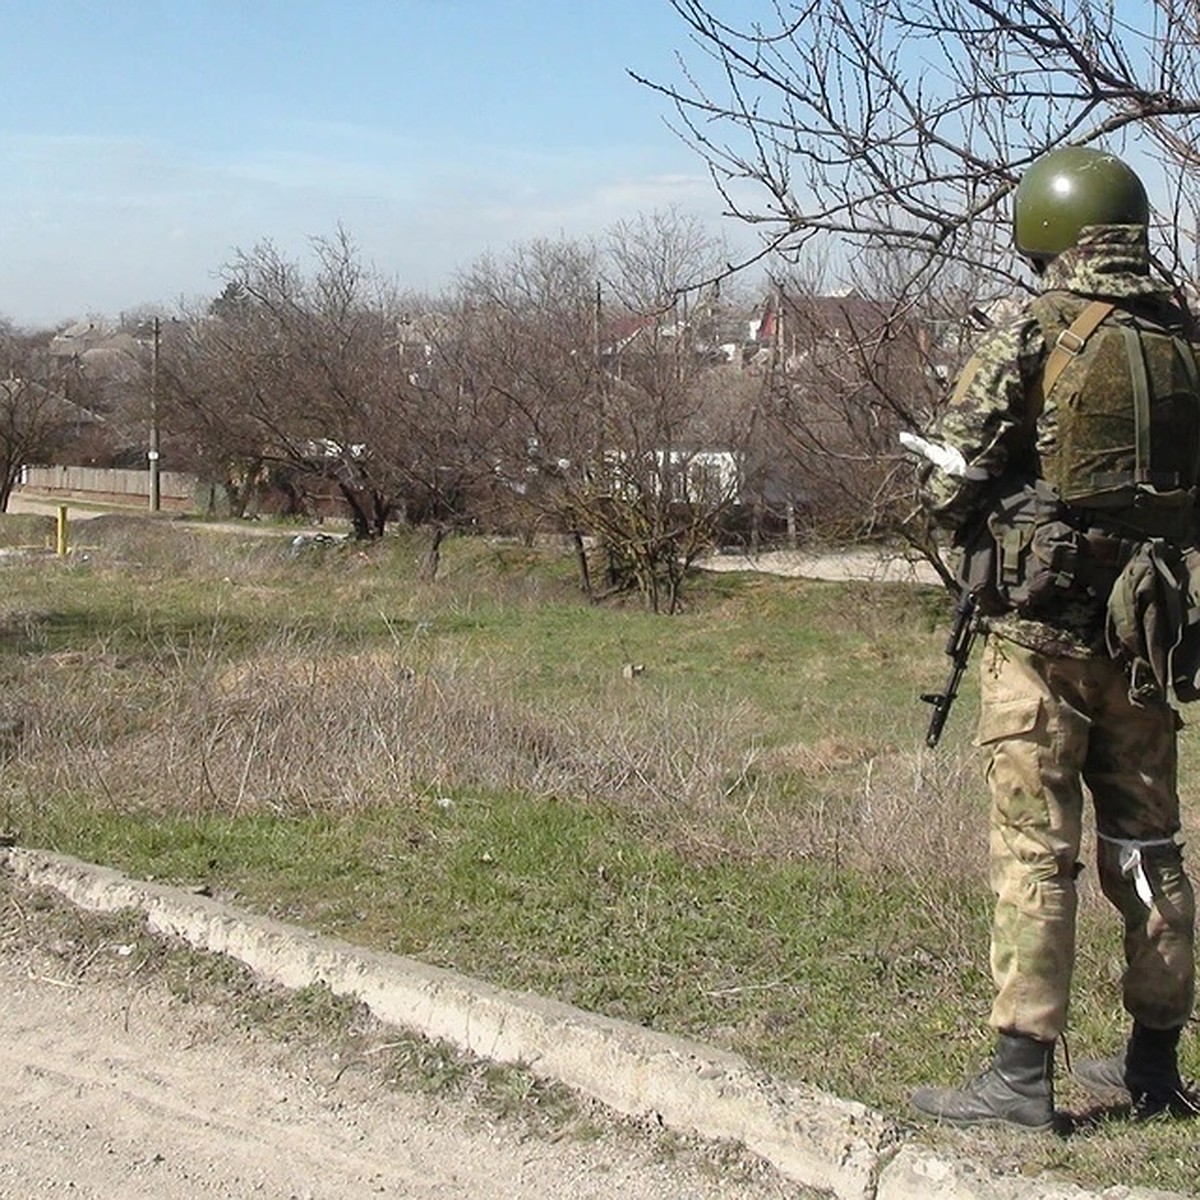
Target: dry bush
[(856, 804), (122, 542), (299, 728), (919, 814)]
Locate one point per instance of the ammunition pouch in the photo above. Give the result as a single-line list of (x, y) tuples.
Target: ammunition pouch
[(1032, 553), (1153, 622)]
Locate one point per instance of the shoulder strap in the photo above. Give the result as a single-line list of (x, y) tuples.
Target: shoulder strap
[(1188, 357), (1139, 380), (1072, 340)]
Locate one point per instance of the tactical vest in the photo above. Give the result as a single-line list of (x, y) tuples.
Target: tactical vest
[(1110, 525), (1117, 459), (1123, 447)]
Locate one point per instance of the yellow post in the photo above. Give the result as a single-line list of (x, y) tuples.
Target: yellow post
[(62, 530)]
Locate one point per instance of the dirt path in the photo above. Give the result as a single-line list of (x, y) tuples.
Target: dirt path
[(114, 1088), (77, 511), (871, 565), (866, 564)]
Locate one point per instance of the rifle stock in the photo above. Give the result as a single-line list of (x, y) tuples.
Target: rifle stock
[(958, 648)]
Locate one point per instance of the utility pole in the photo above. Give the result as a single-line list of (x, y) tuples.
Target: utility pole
[(152, 455)]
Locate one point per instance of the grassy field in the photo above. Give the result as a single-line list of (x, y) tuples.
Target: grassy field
[(722, 824)]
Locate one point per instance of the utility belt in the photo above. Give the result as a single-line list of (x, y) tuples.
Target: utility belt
[(1046, 559), (1033, 555)]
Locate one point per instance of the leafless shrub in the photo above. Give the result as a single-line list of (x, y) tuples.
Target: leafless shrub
[(855, 805), (313, 729), (919, 815)]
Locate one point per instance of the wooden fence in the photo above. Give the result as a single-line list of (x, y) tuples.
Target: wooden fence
[(176, 489)]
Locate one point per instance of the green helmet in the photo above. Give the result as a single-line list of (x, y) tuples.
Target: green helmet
[(1070, 188)]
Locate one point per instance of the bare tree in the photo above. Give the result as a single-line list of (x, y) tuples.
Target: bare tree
[(307, 380), (313, 354), (522, 341), (844, 374), (35, 416), (906, 123), (883, 138), (673, 412), (207, 398), (607, 420)]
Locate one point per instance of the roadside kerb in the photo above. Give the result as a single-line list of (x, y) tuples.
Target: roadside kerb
[(835, 1146)]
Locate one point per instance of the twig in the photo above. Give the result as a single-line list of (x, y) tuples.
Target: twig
[(87, 962), (62, 983), (747, 987), (382, 1047)]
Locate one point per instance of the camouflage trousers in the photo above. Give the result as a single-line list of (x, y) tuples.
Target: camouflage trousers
[(1052, 727)]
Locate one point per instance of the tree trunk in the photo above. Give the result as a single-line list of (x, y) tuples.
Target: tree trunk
[(360, 519), (433, 557), (585, 574)]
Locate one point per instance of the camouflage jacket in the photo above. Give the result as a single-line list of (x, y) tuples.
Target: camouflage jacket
[(987, 421)]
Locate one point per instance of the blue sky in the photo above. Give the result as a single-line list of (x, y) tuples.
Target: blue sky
[(142, 142)]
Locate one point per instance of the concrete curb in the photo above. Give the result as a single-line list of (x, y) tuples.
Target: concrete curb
[(831, 1145)]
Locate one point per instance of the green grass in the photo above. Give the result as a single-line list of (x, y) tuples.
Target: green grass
[(744, 842), (563, 899)]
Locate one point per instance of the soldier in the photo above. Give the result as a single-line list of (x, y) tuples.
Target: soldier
[(1087, 407)]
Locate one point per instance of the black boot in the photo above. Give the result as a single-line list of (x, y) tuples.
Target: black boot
[(1147, 1072), (1017, 1089)]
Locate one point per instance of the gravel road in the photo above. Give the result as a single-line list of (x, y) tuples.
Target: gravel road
[(116, 1088)]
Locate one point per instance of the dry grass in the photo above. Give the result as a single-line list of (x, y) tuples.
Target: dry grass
[(302, 728), (297, 727)]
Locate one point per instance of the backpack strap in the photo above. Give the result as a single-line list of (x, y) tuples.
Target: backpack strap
[(1188, 358), (1139, 380)]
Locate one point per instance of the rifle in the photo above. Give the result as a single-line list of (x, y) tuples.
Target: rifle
[(958, 647)]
